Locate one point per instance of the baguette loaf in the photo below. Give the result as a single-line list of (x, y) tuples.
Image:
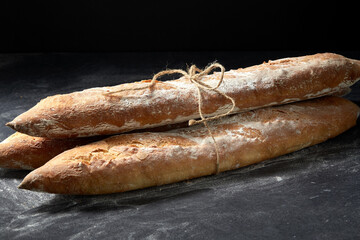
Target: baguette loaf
[(21, 151), (133, 161), (93, 112)]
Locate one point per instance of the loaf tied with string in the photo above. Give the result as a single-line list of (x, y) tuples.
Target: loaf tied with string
[(122, 108), (138, 160)]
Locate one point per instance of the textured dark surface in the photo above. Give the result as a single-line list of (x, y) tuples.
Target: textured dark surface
[(310, 194)]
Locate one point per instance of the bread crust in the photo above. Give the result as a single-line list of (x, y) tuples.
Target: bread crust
[(93, 112), (133, 161), (21, 151)]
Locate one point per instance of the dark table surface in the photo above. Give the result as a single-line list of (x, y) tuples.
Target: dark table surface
[(313, 193)]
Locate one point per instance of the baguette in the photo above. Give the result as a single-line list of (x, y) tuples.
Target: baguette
[(134, 161), (20, 151), (94, 112)]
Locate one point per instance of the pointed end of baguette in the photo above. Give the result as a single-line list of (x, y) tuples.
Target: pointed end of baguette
[(16, 125), (32, 182), (11, 125), (21, 186), (27, 185), (24, 185)]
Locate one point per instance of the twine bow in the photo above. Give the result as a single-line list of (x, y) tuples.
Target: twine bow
[(195, 75)]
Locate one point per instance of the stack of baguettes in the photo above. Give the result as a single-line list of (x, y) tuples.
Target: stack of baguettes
[(64, 136)]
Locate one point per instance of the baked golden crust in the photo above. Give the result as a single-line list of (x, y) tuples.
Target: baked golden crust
[(133, 161), (20, 151), (93, 112)]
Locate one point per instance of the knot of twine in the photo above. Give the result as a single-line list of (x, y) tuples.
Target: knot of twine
[(195, 75)]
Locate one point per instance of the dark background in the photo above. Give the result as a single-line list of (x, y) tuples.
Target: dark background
[(113, 26)]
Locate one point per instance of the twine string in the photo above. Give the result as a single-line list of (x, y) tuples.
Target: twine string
[(195, 76)]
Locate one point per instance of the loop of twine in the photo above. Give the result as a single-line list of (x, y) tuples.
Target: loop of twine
[(195, 75)]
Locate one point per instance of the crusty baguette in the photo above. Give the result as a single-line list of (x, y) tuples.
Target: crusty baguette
[(92, 112), (21, 151), (133, 161)]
